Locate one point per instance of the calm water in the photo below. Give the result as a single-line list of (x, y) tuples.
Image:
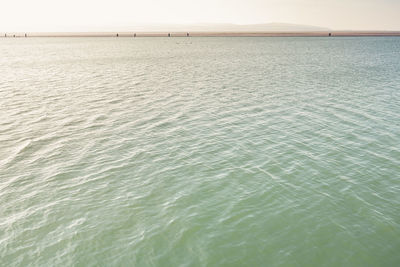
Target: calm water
[(200, 152)]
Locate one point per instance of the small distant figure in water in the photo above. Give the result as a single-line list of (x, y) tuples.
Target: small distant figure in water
[(169, 35), (117, 35), (330, 34), (14, 35), (25, 35), (134, 35), (5, 35), (187, 34)]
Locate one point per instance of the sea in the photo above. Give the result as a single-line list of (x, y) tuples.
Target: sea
[(200, 151)]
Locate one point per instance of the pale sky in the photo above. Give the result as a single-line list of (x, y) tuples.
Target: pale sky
[(87, 15)]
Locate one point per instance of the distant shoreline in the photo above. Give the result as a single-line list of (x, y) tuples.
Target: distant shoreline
[(205, 34)]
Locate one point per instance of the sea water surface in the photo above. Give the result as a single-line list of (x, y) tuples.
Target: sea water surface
[(200, 151)]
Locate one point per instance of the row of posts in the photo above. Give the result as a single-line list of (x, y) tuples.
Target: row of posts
[(169, 35), (13, 35), (25, 35), (134, 35)]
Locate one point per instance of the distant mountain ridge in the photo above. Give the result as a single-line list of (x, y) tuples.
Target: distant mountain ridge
[(227, 27), (196, 27)]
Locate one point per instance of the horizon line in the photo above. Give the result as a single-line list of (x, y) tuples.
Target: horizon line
[(328, 33)]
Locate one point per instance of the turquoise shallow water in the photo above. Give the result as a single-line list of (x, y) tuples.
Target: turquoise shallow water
[(200, 152)]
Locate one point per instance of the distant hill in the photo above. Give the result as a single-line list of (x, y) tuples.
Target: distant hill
[(226, 27)]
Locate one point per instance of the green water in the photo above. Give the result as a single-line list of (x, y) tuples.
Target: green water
[(200, 152)]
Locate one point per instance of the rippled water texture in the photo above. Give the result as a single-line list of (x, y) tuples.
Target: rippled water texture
[(200, 152)]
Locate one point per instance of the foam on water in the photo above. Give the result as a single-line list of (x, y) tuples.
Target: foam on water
[(200, 152)]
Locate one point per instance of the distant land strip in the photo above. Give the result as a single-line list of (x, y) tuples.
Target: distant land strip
[(203, 34)]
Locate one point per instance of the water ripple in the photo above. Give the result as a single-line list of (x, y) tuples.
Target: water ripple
[(202, 152)]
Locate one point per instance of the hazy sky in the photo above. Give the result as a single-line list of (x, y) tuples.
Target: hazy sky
[(83, 15)]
